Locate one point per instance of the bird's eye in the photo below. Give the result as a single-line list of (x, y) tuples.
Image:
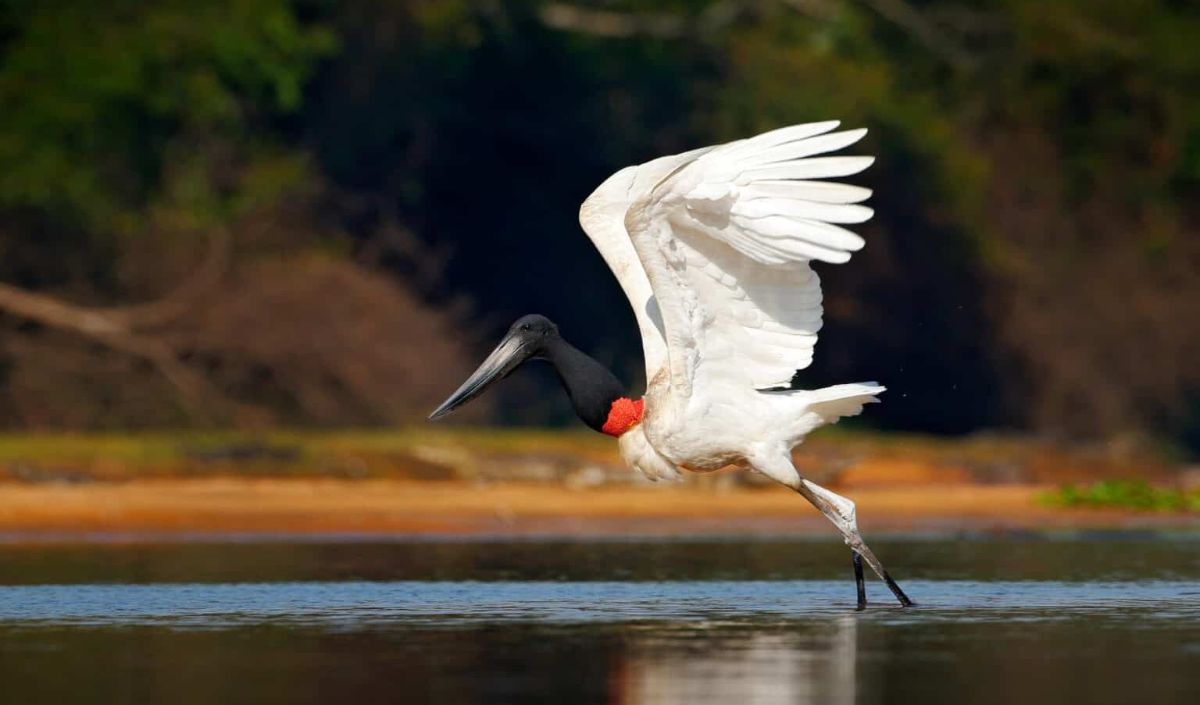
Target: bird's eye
[(526, 328)]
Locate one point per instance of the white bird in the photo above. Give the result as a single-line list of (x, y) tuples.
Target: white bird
[(713, 248)]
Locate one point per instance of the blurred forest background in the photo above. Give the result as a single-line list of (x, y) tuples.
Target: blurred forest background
[(251, 213)]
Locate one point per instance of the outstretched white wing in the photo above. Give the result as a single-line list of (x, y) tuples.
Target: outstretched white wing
[(603, 219), (724, 237)]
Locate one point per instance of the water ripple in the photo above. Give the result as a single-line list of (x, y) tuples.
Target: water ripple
[(458, 604)]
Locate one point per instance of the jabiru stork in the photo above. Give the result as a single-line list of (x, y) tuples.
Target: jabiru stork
[(713, 249)]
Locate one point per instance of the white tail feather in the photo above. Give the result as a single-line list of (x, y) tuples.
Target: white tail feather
[(842, 400)]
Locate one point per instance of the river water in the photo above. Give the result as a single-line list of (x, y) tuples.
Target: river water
[(1028, 619)]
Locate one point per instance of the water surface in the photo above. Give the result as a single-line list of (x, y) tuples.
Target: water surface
[(1072, 620)]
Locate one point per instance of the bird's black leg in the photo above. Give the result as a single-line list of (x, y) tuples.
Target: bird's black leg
[(896, 590), (858, 580)]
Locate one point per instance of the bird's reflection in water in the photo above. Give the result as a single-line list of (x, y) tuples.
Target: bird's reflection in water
[(750, 667)]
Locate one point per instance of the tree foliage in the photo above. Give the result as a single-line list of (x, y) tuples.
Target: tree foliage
[(1033, 264), (99, 102)]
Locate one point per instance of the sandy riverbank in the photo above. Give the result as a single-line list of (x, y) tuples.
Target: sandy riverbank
[(397, 507)]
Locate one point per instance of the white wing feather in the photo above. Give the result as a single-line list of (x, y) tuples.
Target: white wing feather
[(725, 237), (602, 216)]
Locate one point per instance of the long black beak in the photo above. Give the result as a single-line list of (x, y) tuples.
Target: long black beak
[(508, 356)]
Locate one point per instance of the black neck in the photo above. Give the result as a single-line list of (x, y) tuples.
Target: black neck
[(590, 386)]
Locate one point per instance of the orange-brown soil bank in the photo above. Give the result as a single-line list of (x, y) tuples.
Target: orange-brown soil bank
[(487, 481), (324, 505)]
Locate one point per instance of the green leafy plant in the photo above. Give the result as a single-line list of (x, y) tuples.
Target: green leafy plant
[(1128, 494)]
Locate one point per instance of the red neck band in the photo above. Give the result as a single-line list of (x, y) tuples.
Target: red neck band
[(624, 414)]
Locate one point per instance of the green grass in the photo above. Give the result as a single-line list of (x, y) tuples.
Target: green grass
[(1125, 494), (157, 447), (164, 446), (278, 452), (433, 450)]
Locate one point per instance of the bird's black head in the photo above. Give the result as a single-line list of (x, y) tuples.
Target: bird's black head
[(529, 337), (534, 330)]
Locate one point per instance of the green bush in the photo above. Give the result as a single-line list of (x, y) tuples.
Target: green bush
[(1129, 494)]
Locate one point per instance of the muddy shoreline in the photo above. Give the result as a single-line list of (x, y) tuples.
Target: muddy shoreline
[(215, 507)]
